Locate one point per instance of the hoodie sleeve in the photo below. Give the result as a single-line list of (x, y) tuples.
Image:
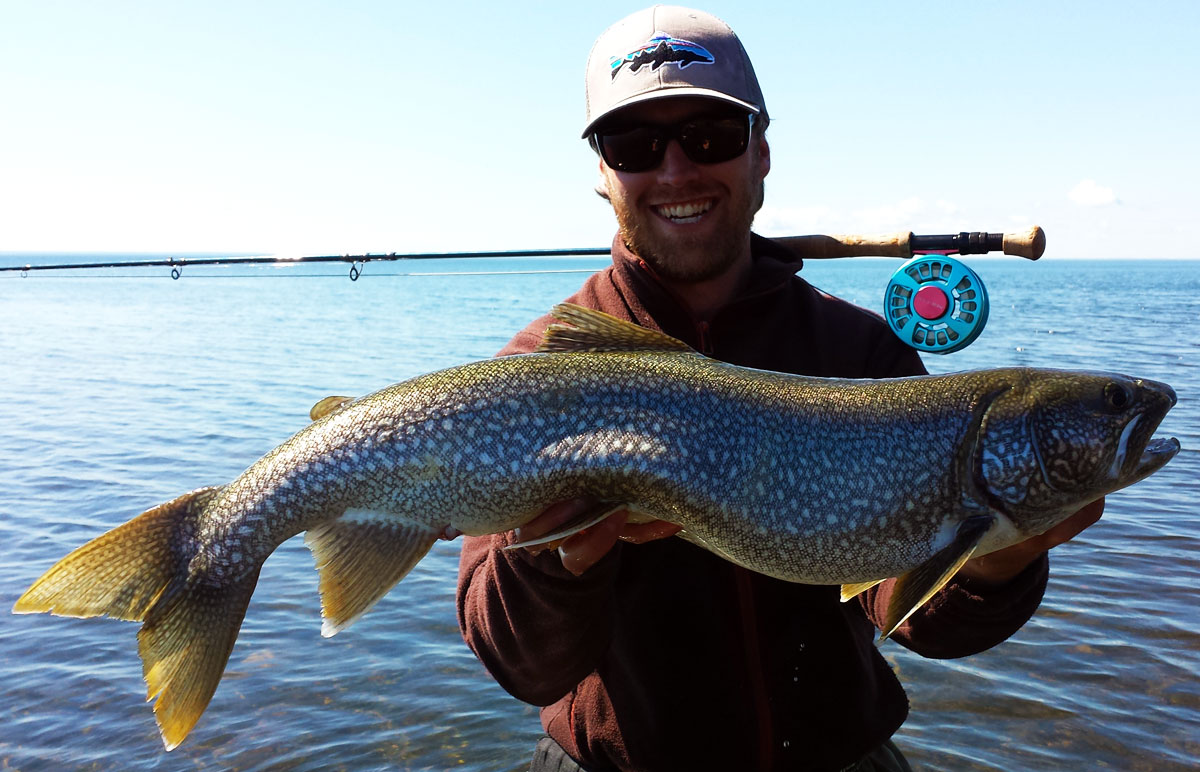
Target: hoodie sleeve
[(538, 629), (965, 617)]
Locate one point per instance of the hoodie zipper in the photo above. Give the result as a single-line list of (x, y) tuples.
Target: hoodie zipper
[(703, 334), (704, 338)]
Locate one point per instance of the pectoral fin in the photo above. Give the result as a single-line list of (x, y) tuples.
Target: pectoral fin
[(361, 556), (920, 584), (581, 522)]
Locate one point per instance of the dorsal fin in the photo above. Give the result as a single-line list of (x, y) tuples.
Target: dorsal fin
[(327, 406), (591, 330)]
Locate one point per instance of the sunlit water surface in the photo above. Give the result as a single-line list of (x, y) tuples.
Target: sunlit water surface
[(120, 389)]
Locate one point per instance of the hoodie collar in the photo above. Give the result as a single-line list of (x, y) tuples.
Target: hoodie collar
[(656, 306)]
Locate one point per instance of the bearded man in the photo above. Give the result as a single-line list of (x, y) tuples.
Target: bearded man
[(650, 653)]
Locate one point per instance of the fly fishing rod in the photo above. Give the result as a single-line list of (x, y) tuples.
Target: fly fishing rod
[(933, 302), (1030, 245)]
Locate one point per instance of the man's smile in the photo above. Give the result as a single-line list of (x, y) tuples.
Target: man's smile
[(686, 211)]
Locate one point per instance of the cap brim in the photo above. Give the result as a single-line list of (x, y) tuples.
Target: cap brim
[(668, 93)]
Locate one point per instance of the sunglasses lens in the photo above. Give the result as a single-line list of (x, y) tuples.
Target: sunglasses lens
[(632, 150), (715, 140), (704, 141)]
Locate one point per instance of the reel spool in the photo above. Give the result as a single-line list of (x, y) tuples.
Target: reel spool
[(935, 303)]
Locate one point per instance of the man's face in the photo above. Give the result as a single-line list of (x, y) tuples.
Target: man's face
[(690, 222)]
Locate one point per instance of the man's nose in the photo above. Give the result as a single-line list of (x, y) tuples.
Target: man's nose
[(676, 167)]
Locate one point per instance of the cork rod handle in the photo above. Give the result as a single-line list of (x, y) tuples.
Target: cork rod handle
[(1030, 244)]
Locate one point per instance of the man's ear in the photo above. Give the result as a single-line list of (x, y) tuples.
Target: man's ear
[(764, 155), (602, 186)]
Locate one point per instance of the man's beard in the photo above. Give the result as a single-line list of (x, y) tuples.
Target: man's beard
[(696, 259)]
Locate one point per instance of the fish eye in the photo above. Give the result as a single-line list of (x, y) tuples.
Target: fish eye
[(1116, 396)]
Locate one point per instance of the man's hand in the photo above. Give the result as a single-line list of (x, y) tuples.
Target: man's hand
[(1003, 565), (582, 550)]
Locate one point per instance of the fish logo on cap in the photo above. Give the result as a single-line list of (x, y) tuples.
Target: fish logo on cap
[(662, 49)]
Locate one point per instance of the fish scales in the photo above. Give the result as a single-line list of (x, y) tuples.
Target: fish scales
[(822, 481), (597, 437)]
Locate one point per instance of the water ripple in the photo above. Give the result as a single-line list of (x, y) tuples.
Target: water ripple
[(115, 407)]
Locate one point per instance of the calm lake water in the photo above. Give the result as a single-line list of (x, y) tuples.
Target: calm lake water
[(120, 389)]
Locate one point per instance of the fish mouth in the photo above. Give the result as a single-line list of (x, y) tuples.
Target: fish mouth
[(1156, 451), (1156, 454)]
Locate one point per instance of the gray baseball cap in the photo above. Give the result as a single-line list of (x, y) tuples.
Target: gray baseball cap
[(668, 51)]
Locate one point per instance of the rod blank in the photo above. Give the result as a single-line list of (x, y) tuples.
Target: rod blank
[(1030, 244)]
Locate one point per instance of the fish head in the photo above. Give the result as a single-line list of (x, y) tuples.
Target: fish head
[(1056, 440)]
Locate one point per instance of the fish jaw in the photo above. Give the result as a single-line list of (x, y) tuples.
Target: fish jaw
[(1130, 467), (1155, 456), (1059, 440)]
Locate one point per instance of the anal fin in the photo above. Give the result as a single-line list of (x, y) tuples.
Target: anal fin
[(360, 556), (917, 586), (850, 591)]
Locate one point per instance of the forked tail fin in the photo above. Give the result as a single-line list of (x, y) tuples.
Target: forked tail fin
[(138, 572), (185, 643)]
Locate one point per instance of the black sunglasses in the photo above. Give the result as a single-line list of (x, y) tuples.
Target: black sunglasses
[(711, 140)]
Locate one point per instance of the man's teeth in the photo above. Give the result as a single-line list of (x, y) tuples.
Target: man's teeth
[(688, 211)]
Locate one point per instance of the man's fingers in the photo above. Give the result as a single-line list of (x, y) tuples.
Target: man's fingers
[(640, 533), (584, 549), (581, 551), (1074, 525), (1002, 565), (551, 518)]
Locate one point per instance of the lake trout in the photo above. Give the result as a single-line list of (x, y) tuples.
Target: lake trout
[(814, 480)]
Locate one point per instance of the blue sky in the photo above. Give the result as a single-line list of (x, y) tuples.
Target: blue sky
[(321, 127)]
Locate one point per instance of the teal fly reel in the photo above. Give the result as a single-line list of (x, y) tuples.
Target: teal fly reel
[(935, 303)]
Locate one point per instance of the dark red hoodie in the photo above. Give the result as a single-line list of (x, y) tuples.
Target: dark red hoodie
[(663, 656)]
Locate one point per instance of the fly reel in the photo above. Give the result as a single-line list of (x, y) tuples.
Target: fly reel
[(935, 303)]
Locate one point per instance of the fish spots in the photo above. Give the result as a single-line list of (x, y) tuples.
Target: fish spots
[(427, 468)]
